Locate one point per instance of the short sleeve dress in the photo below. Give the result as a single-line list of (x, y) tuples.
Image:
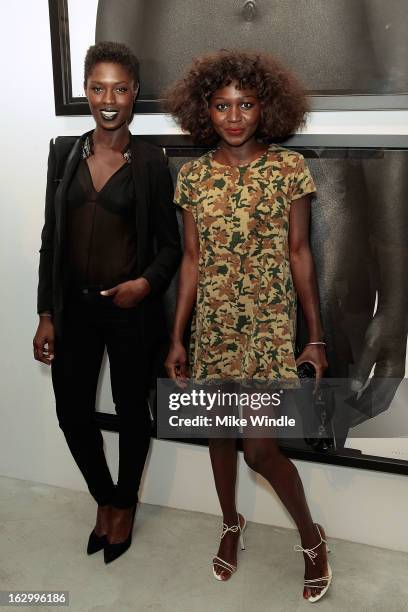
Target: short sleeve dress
[(245, 314)]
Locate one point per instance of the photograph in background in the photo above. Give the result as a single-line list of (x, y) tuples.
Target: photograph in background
[(349, 54)]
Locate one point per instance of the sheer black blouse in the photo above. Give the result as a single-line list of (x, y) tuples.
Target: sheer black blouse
[(101, 229)]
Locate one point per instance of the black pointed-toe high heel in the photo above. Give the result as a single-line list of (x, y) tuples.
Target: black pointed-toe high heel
[(113, 551), (96, 543)]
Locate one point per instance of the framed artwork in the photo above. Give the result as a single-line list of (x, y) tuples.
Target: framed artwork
[(350, 55), (359, 235)]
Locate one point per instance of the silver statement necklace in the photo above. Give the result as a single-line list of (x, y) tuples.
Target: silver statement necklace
[(88, 150)]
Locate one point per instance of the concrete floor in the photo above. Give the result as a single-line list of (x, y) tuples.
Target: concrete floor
[(44, 530)]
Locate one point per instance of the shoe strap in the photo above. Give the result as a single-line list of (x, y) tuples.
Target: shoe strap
[(310, 552), (224, 564), (310, 582), (233, 529)]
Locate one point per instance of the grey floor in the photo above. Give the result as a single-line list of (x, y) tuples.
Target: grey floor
[(43, 532)]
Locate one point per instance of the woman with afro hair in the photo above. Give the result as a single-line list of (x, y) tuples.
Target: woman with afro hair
[(246, 209)]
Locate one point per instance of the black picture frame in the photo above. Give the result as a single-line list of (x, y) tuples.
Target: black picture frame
[(348, 458), (68, 105), (182, 146)]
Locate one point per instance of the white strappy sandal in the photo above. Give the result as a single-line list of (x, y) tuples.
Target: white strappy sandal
[(310, 552), (217, 561)]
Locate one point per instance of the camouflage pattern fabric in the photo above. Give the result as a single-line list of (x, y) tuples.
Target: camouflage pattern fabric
[(245, 313)]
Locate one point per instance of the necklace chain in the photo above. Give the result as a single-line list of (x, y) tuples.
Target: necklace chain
[(88, 150)]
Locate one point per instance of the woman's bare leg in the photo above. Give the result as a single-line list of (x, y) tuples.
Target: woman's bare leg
[(264, 457), (103, 516), (223, 453)]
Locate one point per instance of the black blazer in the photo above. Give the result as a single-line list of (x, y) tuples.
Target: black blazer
[(158, 241)]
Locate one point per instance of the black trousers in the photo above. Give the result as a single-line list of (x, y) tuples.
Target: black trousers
[(93, 322)]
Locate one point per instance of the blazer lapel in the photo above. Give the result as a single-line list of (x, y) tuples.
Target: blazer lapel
[(140, 180), (60, 196)]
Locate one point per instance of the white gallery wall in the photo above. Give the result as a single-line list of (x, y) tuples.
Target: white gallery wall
[(353, 504)]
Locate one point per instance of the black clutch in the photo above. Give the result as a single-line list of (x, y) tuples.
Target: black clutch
[(306, 370), (321, 440)]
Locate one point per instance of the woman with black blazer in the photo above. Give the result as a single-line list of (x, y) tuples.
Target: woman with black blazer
[(110, 246)]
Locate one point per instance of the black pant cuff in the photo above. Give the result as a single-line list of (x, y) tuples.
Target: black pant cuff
[(124, 502)]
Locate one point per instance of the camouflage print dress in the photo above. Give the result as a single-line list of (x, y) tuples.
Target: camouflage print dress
[(245, 315)]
